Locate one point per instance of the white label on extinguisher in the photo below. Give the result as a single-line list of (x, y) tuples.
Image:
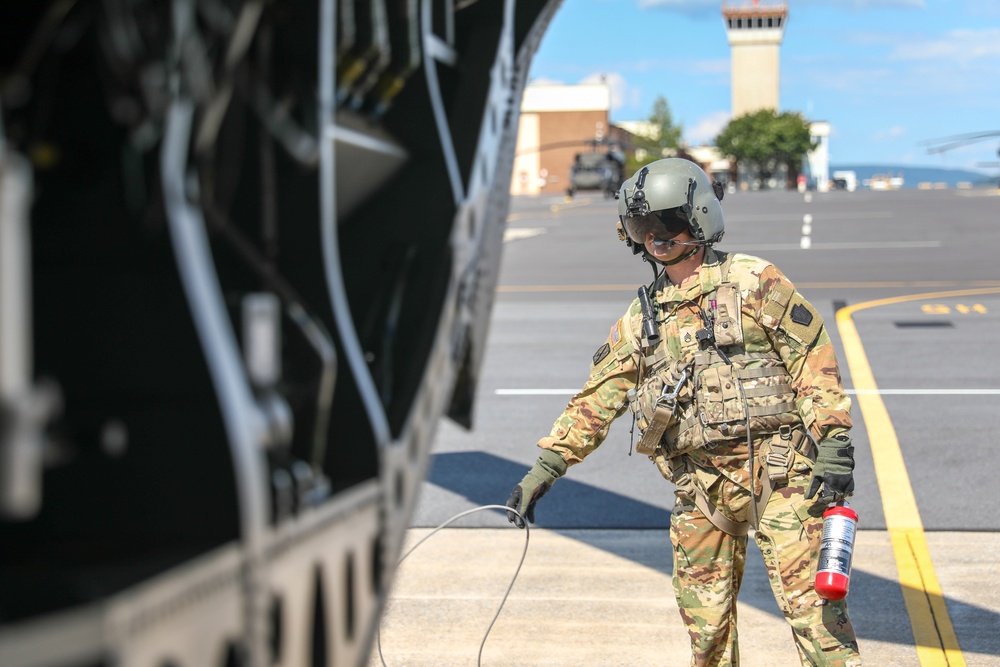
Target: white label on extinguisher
[(839, 529), (837, 545)]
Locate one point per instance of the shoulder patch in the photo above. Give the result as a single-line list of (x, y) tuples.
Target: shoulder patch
[(802, 322), (616, 334), (602, 352), (801, 315)]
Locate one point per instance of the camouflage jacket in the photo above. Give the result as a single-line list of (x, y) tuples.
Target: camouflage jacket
[(770, 311)]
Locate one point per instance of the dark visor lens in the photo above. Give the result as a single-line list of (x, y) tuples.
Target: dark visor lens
[(664, 224), (672, 219)]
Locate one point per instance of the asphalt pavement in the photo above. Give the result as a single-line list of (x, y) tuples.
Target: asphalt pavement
[(908, 285)]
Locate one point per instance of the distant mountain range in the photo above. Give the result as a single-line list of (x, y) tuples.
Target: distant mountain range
[(913, 176)]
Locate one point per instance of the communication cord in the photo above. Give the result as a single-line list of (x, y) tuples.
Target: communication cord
[(524, 552)]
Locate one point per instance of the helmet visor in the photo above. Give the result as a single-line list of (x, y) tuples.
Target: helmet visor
[(663, 225)]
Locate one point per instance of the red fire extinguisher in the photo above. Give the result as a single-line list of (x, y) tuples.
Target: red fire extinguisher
[(833, 575)]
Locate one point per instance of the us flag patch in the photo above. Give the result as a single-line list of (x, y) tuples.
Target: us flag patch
[(615, 333)]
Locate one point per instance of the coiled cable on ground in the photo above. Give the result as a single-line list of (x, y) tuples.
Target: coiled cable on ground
[(510, 586)]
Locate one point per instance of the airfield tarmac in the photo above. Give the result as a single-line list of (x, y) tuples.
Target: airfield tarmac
[(908, 285)]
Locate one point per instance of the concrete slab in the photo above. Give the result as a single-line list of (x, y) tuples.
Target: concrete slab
[(968, 569), (604, 597)]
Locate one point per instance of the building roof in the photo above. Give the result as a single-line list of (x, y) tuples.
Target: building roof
[(558, 97), (754, 10)]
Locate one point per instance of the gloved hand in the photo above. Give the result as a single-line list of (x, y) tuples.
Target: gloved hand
[(833, 469), (549, 467)]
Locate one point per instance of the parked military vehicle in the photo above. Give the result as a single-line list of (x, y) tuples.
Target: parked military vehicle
[(248, 252), (602, 171)]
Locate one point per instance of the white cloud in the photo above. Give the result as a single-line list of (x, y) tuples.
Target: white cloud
[(956, 45), (861, 5), (979, 8), (710, 66), (544, 81), (871, 4), (689, 7), (702, 8), (707, 128), (621, 93), (679, 64), (849, 80), (890, 133)]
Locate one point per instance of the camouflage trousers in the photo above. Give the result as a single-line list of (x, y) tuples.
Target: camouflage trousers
[(709, 565)]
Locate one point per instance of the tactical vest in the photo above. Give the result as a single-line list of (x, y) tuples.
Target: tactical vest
[(710, 397)]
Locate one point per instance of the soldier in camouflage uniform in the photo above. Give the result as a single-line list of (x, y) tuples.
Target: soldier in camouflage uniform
[(733, 382)]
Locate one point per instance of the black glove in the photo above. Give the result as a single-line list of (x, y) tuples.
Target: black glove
[(549, 467), (834, 469)]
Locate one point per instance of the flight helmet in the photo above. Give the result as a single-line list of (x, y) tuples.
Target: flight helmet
[(666, 197)]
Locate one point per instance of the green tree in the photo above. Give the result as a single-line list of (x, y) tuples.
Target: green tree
[(668, 134), (765, 140), (665, 134)]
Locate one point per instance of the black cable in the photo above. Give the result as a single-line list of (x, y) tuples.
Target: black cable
[(503, 601)]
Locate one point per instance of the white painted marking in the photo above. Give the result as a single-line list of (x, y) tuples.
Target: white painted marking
[(928, 392), (515, 233), (869, 245), (806, 241), (537, 392), (785, 217), (880, 392)]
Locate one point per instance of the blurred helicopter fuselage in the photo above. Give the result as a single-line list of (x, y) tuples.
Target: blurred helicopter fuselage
[(248, 253)]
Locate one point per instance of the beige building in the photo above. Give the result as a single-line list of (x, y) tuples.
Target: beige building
[(819, 159), (557, 122), (754, 32)]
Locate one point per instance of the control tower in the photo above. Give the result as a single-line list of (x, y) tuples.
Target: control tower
[(754, 31)]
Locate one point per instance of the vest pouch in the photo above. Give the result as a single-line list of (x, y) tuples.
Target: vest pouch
[(646, 396), (728, 322), (720, 399), (660, 400)]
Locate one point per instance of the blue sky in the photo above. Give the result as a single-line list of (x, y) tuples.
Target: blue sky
[(887, 75)]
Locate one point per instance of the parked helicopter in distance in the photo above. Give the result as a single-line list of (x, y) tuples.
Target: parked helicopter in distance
[(597, 170)]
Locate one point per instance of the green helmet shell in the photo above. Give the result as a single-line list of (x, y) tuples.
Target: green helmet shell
[(671, 183)]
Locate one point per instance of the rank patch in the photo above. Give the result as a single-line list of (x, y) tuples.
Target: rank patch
[(602, 352), (801, 315)]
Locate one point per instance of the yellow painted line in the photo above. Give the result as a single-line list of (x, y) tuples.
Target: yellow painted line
[(554, 211), (921, 284), (933, 633)]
